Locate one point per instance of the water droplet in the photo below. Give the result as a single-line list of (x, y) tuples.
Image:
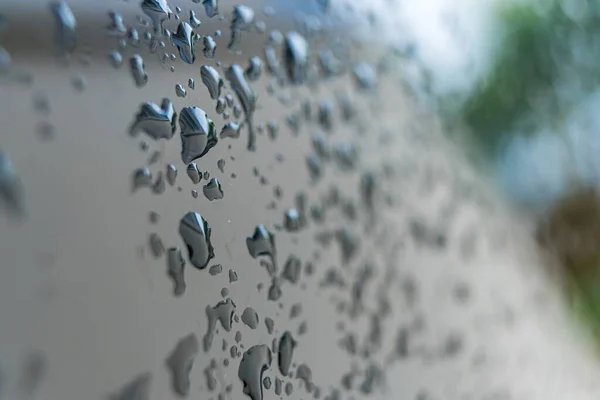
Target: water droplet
[(315, 166), (184, 40), (220, 107), (154, 217), (330, 65), (142, 177), (235, 76), (210, 46), (293, 220), (278, 386), (191, 83), (134, 37), (194, 193), (193, 172), (270, 324), (116, 26), (115, 58), (79, 82), (272, 62), (242, 19), (137, 389), (289, 388), (224, 292), (346, 155), (195, 232), (295, 310), (215, 269), (254, 68), (180, 364), (206, 175), (272, 129), (292, 269), (238, 337), (222, 312), (230, 130), (157, 122), (211, 7), (158, 11), (156, 245), (171, 174), (212, 79), (349, 244), (233, 277), (194, 21), (175, 270), (159, 185), (198, 134), (267, 383), (296, 53), (213, 190), (237, 111), (326, 114), (373, 377), (250, 318), (261, 243), (365, 76), (256, 360), (286, 347), (5, 60), (180, 91), (66, 24)]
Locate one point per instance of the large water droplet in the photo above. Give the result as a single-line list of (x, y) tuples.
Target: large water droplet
[(158, 11), (213, 190), (171, 174), (66, 24), (184, 40), (198, 133), (222, 312), (157, 122), (195, 232), (213, 81), (285, 353), (137, 389), (296, 53), (250, 318), (175, 270), (256, 360), (180, 364)]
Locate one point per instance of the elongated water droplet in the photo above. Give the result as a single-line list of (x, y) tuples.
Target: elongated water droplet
[(191, 83), (296, 53), (65, 26), (134, 37), (270, 324), (233, 277), (158, 11), (255, 361), (194, 21), (171, 174), (285, 353), (278, 386), (195, 232), (254, 68), (175, 270), (250, 318), (156, 245), (198, 133), (237, 80), (193, 172), (184, 40), (137, 389), (315, 166), (272, 61), (213, 81), (157, 122), (213, 190), (211, 7), (221, 165), (180, 364), (210, 46), (242, 19), (222, 312)]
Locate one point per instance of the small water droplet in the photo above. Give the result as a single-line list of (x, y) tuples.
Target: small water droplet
[(272, 61), (66, 24), (206, 175), (250, 318), (159, 185), (255, 361), (157, 122), (210, 46), (198, 134), (137, 389), (212, 79), (267, 383), (238, 336), (142, 177), (296, 53), (184, 40), (175, 270), (222, 312), (230, 130), (180, 91), (270, 324), (365, 76), (134, 37), (278, 386), (171, 174), (211, 7), (254, 68), (195, 232), (315, 166), (191, 83), (194, 21), (213, 190), (292, 269), (115, 58), (261, 243), (233, 277), (194, 173), (79, 82), (295, 310), (346, 155), (194, 193), (215, 269), (156, 245), (180, 364), (289, 388)]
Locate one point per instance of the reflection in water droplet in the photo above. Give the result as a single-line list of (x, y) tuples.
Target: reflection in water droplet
[(213, 81), (198, 134), (222, 312), (286, 347), (180, 364), (184, 40), (296, 53), (250, 318), (210, 46), (193, 172), (137, 389), (195, 232), (66, 24), (211, 7), (175, 270), (213, 190), (255, 361), (157, 122)]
